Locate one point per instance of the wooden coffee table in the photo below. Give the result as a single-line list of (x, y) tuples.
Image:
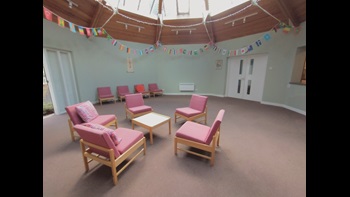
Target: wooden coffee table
[(150, 121)]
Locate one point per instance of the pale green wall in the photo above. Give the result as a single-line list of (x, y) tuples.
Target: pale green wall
[(97, 63)]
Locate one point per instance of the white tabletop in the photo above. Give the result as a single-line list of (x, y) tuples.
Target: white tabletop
[(151, 119)]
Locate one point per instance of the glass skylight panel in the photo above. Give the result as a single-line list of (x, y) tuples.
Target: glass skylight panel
[(185, 9), (218, 6)]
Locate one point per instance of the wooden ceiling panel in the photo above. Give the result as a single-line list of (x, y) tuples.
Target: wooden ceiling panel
[(90, 13)]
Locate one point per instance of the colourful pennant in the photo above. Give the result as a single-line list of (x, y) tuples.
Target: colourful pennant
[(114, 42), (286, 29), (94, 32), (48, 14), (224, 52), (72, 27), (81, 30), (244, 50), (88, 32), (60, 21), (250, 48), (258, 43), (267, 36)]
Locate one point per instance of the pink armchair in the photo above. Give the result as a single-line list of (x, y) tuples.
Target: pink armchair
[(200, 136), (135, 106), (105, 94), (85, 112), (140, 88), (122, 91), (98, 144), (154, 90), (196, 109)]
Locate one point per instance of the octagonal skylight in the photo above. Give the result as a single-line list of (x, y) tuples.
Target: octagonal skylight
[(174, 9)]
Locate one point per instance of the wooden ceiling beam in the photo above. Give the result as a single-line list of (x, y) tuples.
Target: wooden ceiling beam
[(159, 28), (96, 16), (287, 11)]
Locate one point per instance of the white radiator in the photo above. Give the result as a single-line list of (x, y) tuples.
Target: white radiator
[(186, 87)]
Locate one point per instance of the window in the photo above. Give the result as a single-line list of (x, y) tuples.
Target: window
[(299, 69)]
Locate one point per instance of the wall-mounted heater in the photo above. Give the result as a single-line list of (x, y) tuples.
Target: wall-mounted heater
[(186, 87)]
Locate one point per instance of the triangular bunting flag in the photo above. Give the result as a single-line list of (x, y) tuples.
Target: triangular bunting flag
[(72, 27), (244, 50), (48, 14), (267, 36), (250, 48), (81, 30), (258, 43), (60, 21), (88, 32)]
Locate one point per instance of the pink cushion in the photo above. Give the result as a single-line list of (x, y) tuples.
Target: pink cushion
[(130, 137), (110, 132), (134, 100), (194, 132), (187, 111), (140, 88), (153, 87), (86, 111), (140, 109), (73, 114), (97, 137), (123, 90), (103, 119), (216, 124), (198, 102)]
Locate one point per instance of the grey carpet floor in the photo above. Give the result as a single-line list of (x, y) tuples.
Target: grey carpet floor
[(262, 153)]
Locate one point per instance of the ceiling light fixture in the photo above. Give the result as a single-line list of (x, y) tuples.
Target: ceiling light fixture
[(241, 18), (128, 24), (189, 29), (71, 3)]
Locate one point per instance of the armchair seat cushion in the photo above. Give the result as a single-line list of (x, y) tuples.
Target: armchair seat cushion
[(129, 136), (140, 109), (106, 95), (198, 132), (103, 119), (123, 93), (187, 111)]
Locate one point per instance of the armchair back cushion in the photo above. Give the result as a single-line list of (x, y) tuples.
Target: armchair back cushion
[(73, 114), (134, 100), (198, 102), (98, 137), (153, 87), (104, 92), (122, 90), (215, 126), (112, 133)]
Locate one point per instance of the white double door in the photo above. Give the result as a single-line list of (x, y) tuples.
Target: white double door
[(246, 77), (61, 78)]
